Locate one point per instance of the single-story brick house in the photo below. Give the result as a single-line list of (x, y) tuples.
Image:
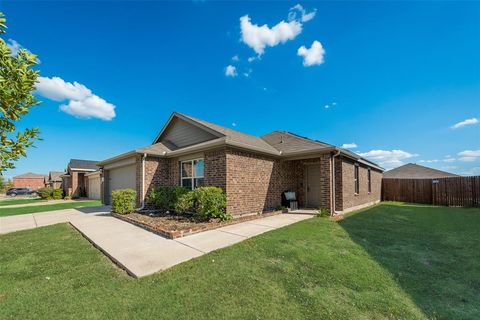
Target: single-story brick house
[(82, 179), (54, 179), (29, 180), (253, 171)]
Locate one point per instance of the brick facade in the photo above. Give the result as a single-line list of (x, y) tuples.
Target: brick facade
[(33, 183), (254, 183), (345, 192)]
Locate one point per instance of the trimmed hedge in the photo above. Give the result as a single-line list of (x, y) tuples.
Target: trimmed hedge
[(50, 193), (123, 201), (206, 202), (165, 198)]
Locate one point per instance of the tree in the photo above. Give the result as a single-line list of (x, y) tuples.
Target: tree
[(2, 184), (17, 83)]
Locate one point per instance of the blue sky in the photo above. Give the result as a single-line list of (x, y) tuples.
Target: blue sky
[(396, 76)]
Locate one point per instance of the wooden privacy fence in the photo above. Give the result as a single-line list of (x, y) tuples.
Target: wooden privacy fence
[(453, 192)]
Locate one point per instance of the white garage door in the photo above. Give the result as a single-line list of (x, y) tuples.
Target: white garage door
[(93, 187), (122, 178)]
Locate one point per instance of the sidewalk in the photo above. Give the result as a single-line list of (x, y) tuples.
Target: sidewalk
[(138, 251)]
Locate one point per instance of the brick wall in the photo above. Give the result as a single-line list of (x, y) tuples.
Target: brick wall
[(33, 183), (349, 198), (255, 182)]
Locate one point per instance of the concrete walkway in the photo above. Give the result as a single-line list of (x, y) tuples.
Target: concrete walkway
[(141, 252)]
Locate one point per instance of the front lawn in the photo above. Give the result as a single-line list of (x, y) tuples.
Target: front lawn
[(388, 262), (47, 207), (9, 202)]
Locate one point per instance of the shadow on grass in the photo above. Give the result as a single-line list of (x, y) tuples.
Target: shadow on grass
[(432, 252)]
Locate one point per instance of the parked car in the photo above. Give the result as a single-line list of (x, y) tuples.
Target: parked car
[(13, 192)]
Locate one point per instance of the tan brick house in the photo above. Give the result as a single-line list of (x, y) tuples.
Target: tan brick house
[(253, 171)]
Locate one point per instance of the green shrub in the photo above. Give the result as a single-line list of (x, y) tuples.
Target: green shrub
[(45, 193), (67, 198), (166, 197), (123, 200), (57, 194), (323, 212), (206, 202)]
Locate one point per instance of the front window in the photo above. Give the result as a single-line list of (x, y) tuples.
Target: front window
[(192, 173)]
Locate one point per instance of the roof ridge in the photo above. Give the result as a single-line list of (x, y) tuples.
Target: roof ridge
[(302, 137)]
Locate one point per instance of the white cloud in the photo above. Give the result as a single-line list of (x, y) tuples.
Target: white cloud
[(14, 46), (82, 102), (388, 158), (469, 155), (312, 56), (234, 124), (349, 145), (464, 123), (475, 171), (251, 59), (259, 37), (304, 16), (231, 71), (235, 58)]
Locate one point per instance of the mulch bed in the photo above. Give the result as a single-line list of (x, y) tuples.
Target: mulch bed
[(175, 226)]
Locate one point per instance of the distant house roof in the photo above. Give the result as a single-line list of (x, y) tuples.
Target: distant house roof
[(278, 143), (30, 175), (55, 176), (87, 165), (415, 171)]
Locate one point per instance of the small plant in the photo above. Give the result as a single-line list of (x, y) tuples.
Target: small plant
[(67, 198), (206, 202), (45, 193), (57, 194), (323, 213), (123, 201), (165, 198)]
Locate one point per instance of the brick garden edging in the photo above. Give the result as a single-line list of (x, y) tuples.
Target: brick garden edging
[(173, 234)]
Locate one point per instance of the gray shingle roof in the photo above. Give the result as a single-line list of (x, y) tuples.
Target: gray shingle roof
[(415, 171), (289, 142), (157, 148), (83, 164), (55, 175)]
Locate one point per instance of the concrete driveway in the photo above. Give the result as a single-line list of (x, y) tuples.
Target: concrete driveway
[(141, 252)]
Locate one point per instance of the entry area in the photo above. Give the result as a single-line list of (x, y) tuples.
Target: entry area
[(312, 185)]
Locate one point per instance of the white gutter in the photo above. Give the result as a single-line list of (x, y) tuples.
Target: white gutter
[(333, 182), (143, 182)]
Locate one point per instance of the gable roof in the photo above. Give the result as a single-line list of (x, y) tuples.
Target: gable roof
[(230, 136), (278, 143), (415, 171), (87, 165), (55, 175), (30, 175)]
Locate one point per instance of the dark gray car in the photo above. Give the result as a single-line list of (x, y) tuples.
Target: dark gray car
[(13, 192)]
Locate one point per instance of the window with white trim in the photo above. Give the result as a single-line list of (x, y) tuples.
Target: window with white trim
[(192, 173), (356, 179)]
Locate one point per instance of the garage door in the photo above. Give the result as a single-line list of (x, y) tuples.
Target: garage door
[(93, 187), (122, 178)]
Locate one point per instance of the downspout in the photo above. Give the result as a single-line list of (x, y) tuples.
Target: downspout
[(332, 212), (143, 182)]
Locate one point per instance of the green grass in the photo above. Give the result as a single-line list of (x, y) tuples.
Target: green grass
[(47, 207), (9, 202), (387, 262)]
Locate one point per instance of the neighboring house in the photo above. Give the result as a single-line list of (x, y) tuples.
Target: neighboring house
[(415, 171), (82, 179), (30, 180), (253, 171), (54, 179)]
